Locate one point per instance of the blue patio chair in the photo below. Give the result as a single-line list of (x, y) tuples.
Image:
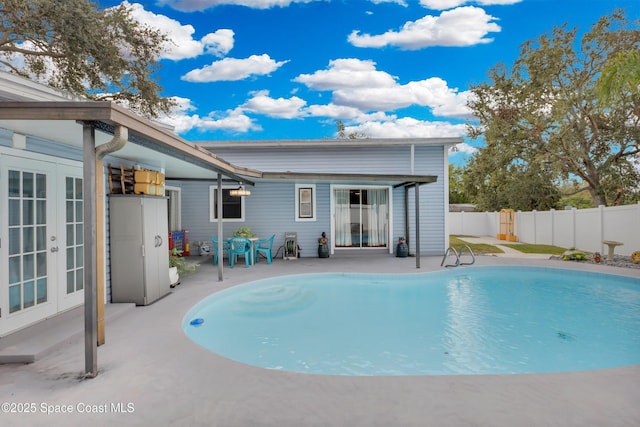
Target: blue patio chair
[(225, 248), (263, 247), (239, 246)]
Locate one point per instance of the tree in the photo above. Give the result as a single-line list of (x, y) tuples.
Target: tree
[(545, 112), (73, 46), (457, 192), (621, 76)]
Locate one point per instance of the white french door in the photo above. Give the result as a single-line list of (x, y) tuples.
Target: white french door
[(361, 217), (40, 240)]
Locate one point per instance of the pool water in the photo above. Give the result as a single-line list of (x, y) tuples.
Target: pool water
[(474, 320)]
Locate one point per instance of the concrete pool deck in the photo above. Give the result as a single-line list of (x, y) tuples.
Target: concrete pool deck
[(150, 373)]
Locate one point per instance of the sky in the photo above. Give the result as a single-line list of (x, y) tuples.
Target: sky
[(290, 69)]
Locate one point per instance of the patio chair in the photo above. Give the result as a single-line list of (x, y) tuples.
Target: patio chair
[(264, 247), (225, 248), (239, 246)]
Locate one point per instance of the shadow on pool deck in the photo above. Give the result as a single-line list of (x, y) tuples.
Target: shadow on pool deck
[(149, 362)]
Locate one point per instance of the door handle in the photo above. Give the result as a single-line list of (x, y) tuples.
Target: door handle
[(54, 249)]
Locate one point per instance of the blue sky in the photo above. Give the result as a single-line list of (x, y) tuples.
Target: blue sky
[(285, 69)]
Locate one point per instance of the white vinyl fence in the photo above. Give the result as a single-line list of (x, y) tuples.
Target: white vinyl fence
[(583, 229)]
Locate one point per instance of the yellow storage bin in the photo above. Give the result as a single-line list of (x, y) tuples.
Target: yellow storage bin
[(160, 178), (144, 188), (159, 190), (145, 176)]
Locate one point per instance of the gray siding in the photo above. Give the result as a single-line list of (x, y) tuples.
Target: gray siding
[(270, 208)]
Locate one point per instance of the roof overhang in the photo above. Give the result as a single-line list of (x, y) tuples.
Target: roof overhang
[(148, 142), (390, 179)]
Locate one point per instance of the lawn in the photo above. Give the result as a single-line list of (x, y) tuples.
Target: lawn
[(537, 249), (457, 242)]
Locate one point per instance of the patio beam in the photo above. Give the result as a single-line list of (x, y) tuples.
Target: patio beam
[(89, 222)]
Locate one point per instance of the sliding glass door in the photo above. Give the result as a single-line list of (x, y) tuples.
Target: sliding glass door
[(361, 217)]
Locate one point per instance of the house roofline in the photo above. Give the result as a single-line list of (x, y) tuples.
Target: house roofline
[(314, 143)]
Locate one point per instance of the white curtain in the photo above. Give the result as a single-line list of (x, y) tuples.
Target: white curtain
[(343, 218), (378, 209)]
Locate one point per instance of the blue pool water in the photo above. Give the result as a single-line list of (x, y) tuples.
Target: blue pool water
[(476, 320)]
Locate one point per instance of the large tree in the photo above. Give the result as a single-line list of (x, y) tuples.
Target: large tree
[(545, 112), (74, 46)]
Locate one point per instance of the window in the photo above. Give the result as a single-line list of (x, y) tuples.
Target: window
[(305, 202), (232, 206)]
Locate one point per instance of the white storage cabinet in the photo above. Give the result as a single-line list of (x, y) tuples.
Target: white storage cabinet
[(139, 249)]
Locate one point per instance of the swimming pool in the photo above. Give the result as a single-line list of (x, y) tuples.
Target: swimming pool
[(474, 320)]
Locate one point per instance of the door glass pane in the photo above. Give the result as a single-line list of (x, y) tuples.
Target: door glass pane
[(14, 269), (27, 239), (70, 282), (79, 257), (41, 186), (42, 291), (14, 212), (41, 212), (70, 211), (14, 184), (70, 258), (79, 234), (15, 301), (41, 238), (28, 294), (27, 184), (79, 279), (41, 264), (79, 211), (70, 237), (78, 189), (14, 241), (28, 267), (27, 212), (68, 186)]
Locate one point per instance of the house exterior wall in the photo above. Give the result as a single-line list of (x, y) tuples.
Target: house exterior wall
[(271, 207)]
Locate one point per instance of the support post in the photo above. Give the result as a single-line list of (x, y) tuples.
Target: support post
[(220, 228), (100, 273), (417, 201), (90, 312)]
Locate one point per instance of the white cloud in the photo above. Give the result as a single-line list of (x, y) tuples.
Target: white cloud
[(347, 73), (182, 121), (283, 108), (357, 84), (341, 112), (406, 127), (448, 4), (199, 5), (464, 26), (400, 2), (181, 42), (462, 148), (232, 69)]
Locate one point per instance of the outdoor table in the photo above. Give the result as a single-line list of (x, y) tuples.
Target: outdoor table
[(612, 245)]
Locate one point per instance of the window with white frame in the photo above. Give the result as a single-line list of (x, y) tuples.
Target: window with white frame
[(305, 202), (232, 206)]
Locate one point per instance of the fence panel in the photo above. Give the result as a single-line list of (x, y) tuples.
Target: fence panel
[(576, 228)]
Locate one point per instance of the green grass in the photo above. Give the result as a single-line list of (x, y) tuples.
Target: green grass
[(536, 249), (457, 242)]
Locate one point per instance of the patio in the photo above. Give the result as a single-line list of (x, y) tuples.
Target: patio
[(148, 362)]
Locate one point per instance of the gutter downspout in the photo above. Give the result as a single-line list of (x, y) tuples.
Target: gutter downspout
[(119, 140)]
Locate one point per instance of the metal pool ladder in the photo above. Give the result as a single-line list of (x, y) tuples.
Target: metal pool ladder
[(458, 255)]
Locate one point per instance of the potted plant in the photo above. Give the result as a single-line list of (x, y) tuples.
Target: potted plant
[(243, 232), (323, 246), (635, 257), (178, 265)]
